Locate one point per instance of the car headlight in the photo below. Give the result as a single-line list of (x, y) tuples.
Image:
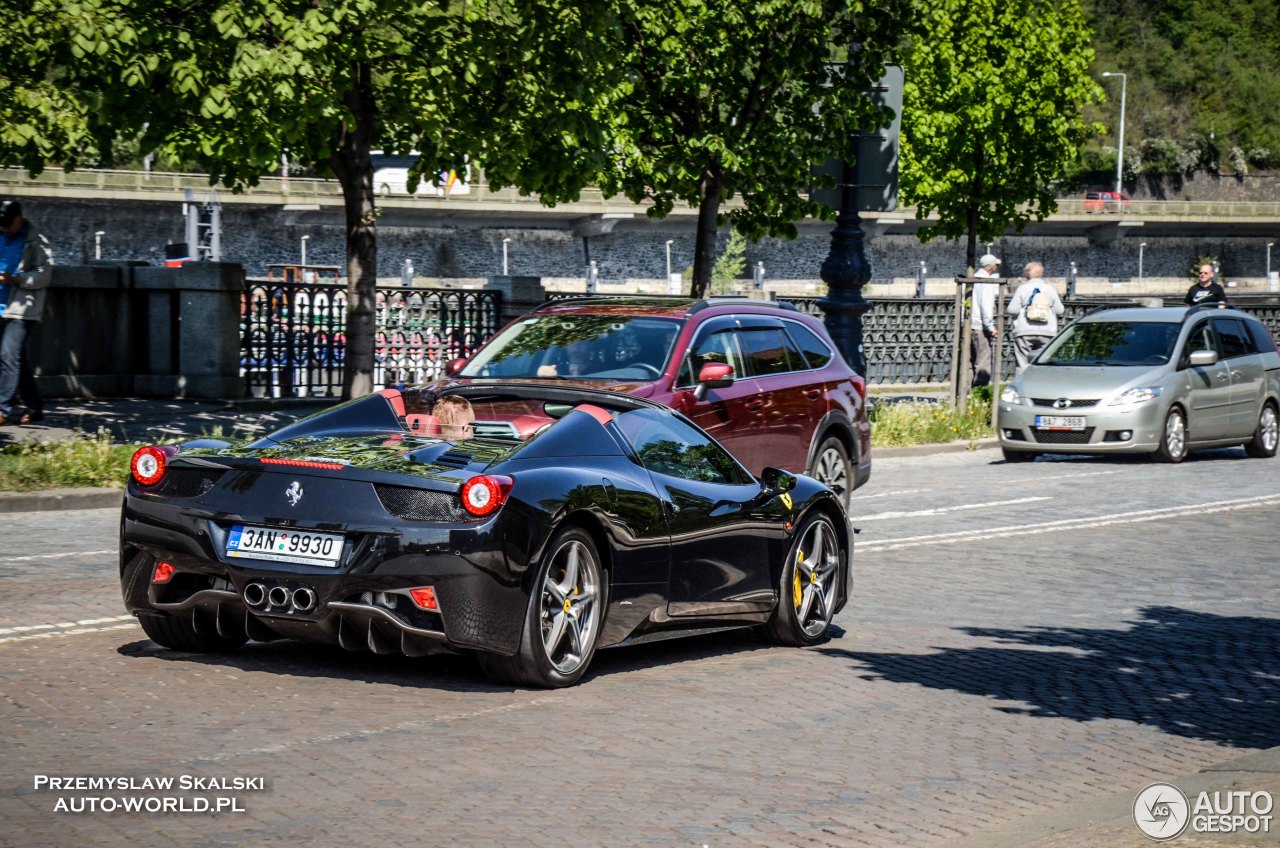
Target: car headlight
[(1139, 395), (1010, 395)]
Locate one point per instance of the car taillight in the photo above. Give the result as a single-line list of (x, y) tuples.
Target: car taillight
[(424, 598), (148, 464), (483, 495), (163, 573)]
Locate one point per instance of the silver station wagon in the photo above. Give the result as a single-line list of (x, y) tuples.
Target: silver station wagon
[(1162, 381)]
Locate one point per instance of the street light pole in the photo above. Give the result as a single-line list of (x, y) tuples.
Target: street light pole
[(1141, 248), (1124, 82), (1270, 245), (669, 259), (304, 250), (505, 242), (97, 246)]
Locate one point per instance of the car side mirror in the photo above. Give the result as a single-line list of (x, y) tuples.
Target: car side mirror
[(713, 375), (775, 481), (1203, 358), (453, 366)]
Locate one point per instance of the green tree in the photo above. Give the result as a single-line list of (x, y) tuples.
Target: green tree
[(992, 112), (717, 101), (233, 84), (730, 265)]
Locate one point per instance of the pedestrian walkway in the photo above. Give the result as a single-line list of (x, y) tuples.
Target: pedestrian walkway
[(138, 420)]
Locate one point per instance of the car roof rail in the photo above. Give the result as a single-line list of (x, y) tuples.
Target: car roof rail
[(1105, 308), (606, 298), (1203, 307), (673, 299), (731, 300)]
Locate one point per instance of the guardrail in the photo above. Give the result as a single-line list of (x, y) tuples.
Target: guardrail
[(274, 189)]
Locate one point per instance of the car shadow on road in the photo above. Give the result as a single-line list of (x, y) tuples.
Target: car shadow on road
[(1191, 674), (446, 672), (1208, 455)]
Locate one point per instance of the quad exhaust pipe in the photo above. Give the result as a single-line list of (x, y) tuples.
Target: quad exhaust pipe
[(255, 594), (259, 596)]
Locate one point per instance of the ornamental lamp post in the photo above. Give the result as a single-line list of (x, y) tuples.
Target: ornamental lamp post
[(97, 245), (1124, 81), (867, 183), (1141, 248), (669, 259), (505, 242)]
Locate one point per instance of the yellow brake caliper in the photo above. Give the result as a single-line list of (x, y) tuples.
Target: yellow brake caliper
[(796, 590)]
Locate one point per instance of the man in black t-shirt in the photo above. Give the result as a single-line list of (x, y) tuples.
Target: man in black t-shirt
[(1206, 290)]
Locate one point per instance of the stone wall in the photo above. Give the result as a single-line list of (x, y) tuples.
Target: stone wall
[(632, 256)]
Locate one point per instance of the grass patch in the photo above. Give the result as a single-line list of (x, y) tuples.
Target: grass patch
[(921, 423), (82, 461)]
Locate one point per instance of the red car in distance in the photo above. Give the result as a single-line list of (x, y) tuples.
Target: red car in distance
[(1106, 201), (764, 379)]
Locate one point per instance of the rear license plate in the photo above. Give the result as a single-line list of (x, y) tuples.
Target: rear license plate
[(281, 545), (1060, 422)]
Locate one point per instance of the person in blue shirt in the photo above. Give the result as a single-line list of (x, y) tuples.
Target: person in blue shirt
[(26, 267)]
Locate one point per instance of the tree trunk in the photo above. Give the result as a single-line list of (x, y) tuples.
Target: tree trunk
[(975, 202), (354, 170), (710, 189)]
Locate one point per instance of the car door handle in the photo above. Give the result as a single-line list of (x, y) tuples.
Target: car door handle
[(813, 394), (753, 405), (672, 507), (1222, 375)]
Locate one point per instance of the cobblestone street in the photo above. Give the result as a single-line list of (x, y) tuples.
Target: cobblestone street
[(1023, 638)]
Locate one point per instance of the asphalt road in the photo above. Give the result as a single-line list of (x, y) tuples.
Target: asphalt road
[(1024, 638)]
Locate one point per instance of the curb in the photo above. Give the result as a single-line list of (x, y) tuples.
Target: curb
[(54, 499), (939, 447)]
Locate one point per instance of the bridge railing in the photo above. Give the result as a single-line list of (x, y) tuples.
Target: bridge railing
[(479, 192)]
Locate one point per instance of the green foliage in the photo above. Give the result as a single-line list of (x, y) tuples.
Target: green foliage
[(1194, 270), (916, 423), (993, 112), (730, 265), (82, 461), (1202, 74), (231, 85), (716, 100)]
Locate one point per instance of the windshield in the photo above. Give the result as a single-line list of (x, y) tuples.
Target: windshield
[(593, 347), (1112, 343)]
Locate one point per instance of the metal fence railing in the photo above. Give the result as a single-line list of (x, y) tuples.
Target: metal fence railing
[(293, 335), (908, 340)]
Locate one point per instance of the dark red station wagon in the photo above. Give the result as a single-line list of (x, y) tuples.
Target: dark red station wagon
[(762, 378)]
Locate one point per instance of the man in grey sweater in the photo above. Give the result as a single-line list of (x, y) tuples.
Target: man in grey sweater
[(1037, 308), (26, 266)]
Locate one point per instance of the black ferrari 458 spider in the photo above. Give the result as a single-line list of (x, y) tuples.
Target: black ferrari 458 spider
[(571, 520)]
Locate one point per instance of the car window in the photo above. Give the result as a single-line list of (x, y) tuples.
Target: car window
[(1119, 343), (719, 347), (1201, 338), (768, 351), (815, 350), (667, 445), (1235, 340), (603, 347), (1261, 338)]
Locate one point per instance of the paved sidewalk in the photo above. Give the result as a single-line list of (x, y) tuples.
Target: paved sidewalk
[(137, 420)]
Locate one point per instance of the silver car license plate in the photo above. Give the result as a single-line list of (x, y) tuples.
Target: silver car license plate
[(1060, 422), (285, 545)]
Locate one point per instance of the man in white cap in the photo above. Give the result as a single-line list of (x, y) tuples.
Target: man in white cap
[(984, 320)]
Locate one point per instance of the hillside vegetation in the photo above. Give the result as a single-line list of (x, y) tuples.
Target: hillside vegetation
[(1203, 83)]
